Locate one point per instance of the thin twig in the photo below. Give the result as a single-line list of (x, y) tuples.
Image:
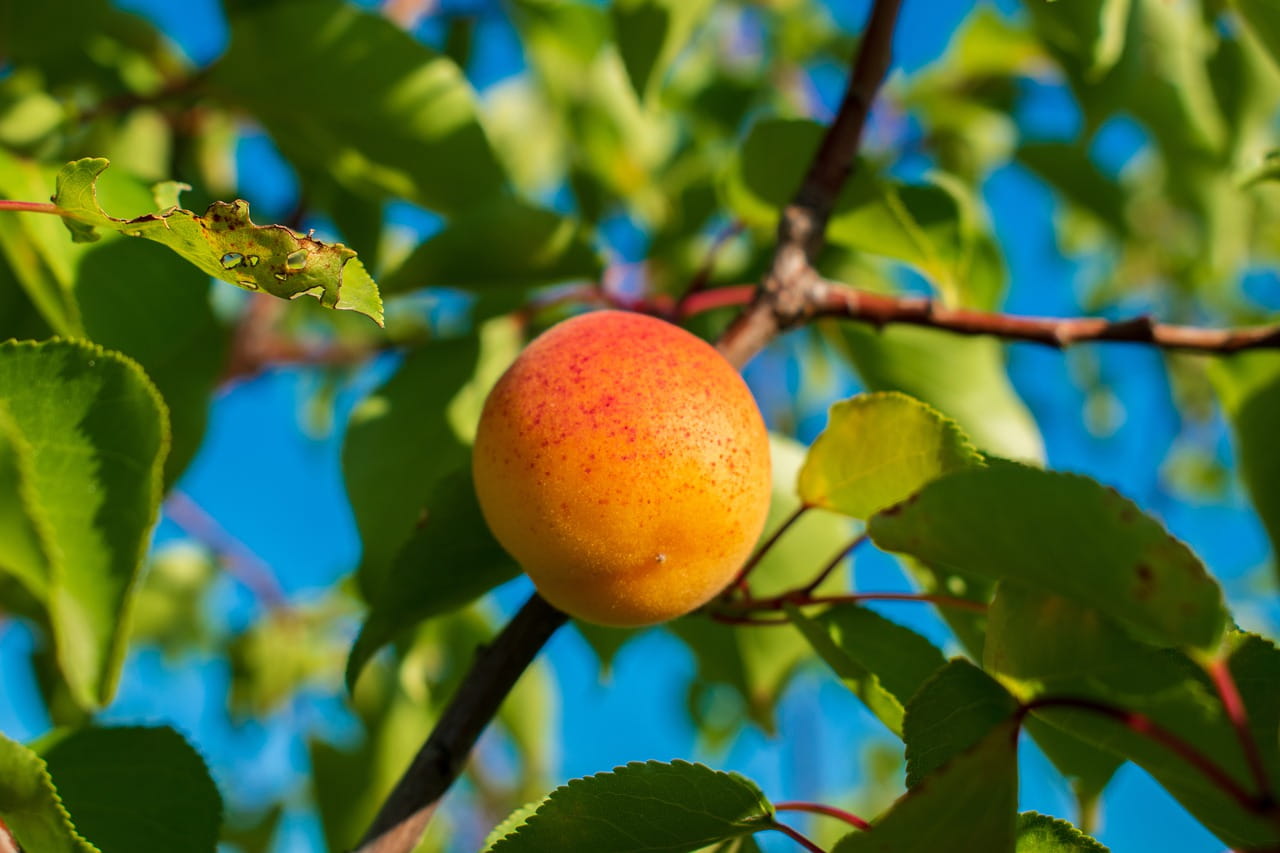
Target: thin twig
[(739, 582), (238, 559), (829, 811), (1143, 725), (1224, 682), (797, 838), (830, 567), (799, 598), (405, 813), (837, 300), (702, 277)]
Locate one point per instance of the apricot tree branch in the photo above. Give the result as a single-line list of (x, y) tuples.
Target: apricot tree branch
[(784, 298), (405, 813)]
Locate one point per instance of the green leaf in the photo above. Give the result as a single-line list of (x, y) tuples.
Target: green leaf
[(1093, 31), (650, 34), (970, 804), (136, 790), (29, 804), (450, 560), (963, 378), (1068, 169), (652, 806), (1038, 833), (99, 433), (954, 710), (398, 446), (759, 663), (1249, 387), (877, 450), (224, 243), (506, 243), (25, 536), (1032, 640), (1068, 534), (1260, 16), (381, 113), (883, 663), (154, 307)]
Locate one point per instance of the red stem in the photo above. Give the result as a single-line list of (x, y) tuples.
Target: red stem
[(1142, 725), (720, 297), (32, 207), (798, 838), (740, 581), (801, 599), (835, 562), (829, 811), (1224, 682)]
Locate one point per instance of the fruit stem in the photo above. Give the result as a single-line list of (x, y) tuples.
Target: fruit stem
[(834, 564), (739, 582), (828, 811)]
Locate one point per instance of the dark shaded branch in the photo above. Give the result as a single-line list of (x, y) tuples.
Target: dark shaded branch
[(406, 812)]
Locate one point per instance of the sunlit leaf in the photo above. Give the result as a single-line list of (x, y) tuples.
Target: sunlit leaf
[(224, 243), (1038, 833), (98, 432), (29, 804), (877, 450)]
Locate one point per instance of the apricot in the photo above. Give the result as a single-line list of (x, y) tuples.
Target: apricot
[(625, 465)]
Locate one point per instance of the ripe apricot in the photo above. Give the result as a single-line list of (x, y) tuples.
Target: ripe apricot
[(624, 464)]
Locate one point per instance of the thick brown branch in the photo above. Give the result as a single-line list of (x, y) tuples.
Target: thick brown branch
[(405, 813), (837, 300), (784, 298)]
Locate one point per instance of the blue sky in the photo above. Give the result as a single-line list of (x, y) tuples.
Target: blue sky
[(278, 489)]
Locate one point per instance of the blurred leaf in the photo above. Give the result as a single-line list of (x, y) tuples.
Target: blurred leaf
[(225, 244), (451, 559), (1260, 16), (99, 433), (881, 662), (964, 379), (380, 111), (954, 710), (506, 243), (283, 652), (1068, 534), (398, 446), (257, 834), (1249, 388), (652, 806), (877, 450), (759, 663), (135, 790), (1068, 169), (29, 804), (650, 35), (969, 804), (1038, 833), (1091, 30), (170, 608)]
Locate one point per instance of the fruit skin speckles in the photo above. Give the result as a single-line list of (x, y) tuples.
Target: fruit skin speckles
[(624, 464)]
